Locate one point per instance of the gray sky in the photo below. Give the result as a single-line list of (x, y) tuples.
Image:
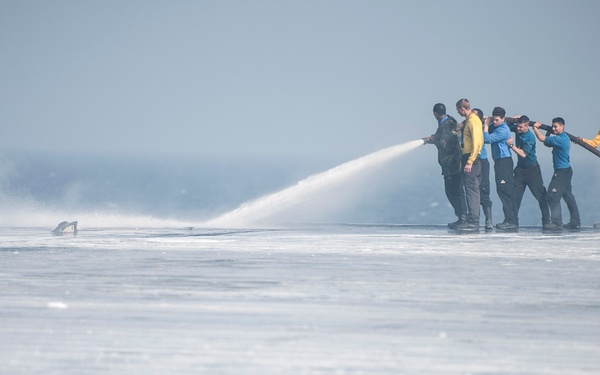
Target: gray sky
[(284, 77)]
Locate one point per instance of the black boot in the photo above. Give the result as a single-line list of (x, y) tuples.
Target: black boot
[(458, 222), (487, 211), (454, 224)]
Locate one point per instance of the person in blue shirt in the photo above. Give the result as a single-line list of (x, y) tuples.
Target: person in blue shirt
[(503, 167), (528, 172), (560, 185), (484, 185)]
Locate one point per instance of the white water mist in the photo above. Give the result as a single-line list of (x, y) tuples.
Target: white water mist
[(261, 209)]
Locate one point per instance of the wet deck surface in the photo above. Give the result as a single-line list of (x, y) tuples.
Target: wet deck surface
[(347, 299)]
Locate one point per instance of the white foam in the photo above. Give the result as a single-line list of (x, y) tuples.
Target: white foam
[(56, 305), (259, 210), (30, 214)]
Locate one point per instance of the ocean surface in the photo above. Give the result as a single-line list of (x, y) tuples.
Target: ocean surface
[(321, 299), (352, 270)]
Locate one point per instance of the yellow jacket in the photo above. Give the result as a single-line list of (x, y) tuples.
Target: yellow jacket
[(593, 142), (472, 137)]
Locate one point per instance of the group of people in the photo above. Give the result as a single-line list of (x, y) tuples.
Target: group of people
[(466, 169)]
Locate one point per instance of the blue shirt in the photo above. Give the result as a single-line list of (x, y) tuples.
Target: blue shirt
[(483, 154), (526, 142), (442, 120), (561, 146), (498, 141)]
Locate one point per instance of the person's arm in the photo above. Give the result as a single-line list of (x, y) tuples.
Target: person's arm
[(592, 142), (468, 130), (499, 135), (517, 150), (434, 138), (536, 131), (486, 129)]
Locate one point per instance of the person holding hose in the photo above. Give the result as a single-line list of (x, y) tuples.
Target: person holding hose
[(484, 185), (447, 141), (560, 185), (528, 172), (595, 142), (503, 166), (471, 164)]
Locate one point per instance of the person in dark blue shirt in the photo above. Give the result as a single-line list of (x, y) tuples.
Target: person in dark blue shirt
[(560, 185), (484, 185), (503, 167), (528, 172)]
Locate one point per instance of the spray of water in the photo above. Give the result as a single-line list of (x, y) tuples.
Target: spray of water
[(260, 210), (31, 214)]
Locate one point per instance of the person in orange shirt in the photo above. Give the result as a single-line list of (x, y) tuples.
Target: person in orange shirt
[(592, 142)]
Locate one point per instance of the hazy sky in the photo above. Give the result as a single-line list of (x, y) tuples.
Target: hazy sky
[(284, 77)]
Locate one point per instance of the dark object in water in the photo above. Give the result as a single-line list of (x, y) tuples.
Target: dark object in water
[(66, 228)]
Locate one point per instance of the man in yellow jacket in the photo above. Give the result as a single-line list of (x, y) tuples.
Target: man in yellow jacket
[(471, 164)]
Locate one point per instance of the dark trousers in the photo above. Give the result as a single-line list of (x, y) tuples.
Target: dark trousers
[(531, 177), (560, 187), (471, 181), (484, 186), (455, 191), (505, 187)]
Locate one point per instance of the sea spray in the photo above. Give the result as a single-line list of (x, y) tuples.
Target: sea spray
[(259, 210)]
